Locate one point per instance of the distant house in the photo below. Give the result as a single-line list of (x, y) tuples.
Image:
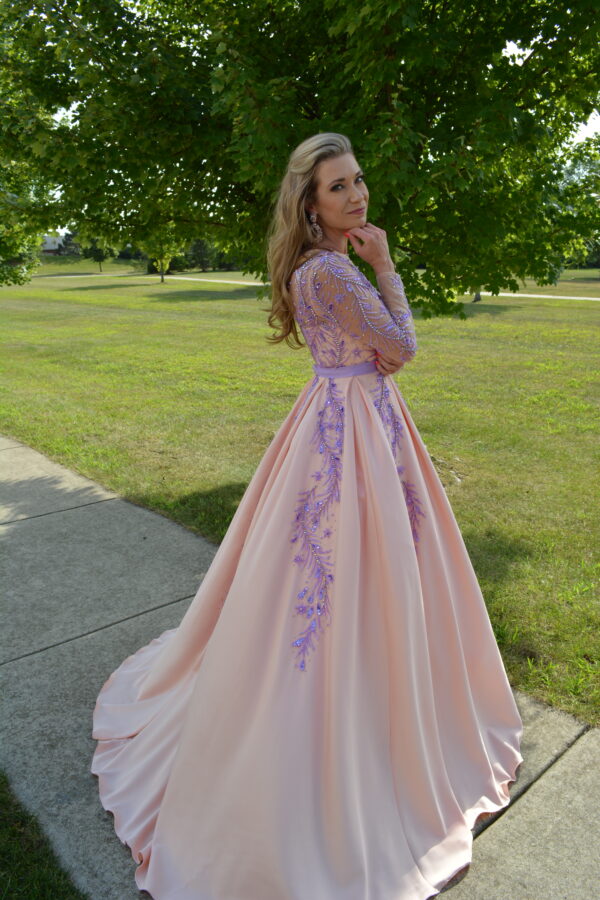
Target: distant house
[(51, 243)]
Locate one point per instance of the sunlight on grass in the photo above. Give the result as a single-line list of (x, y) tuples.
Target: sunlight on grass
[(169, 394)]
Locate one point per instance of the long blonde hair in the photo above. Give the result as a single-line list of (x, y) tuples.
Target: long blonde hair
[(290, 234)]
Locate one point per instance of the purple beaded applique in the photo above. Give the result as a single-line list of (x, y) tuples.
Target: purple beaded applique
[(311, 539), (413, 505), (395, 431)]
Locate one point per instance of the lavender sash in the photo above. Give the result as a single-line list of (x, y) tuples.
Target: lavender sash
[(346, 371)]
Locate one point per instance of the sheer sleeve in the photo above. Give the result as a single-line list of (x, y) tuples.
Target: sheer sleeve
[(382, 318)]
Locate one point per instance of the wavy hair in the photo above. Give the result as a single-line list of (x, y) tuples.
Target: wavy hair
[(290, 234)]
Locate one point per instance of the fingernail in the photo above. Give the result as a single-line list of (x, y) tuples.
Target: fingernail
[(346, 234)]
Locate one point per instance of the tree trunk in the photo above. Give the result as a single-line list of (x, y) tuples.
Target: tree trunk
[(162, 272)]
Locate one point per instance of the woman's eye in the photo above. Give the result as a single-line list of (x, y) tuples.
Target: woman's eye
[(358, 178)]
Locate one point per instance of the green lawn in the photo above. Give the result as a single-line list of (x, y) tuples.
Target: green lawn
[(573, 282), (28, 867), (169, 394), (70, 265)]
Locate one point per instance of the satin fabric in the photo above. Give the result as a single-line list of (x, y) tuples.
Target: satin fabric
[(332, 714), (232, 775)]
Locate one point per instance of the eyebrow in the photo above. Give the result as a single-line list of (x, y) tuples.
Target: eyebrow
[(360, 172)]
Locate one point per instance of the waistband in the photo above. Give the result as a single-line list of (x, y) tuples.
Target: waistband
[(346, 371)]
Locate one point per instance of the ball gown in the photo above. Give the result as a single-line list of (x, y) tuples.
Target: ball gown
[(332, 714)]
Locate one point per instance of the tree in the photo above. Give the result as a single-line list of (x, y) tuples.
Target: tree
[(98, 251), (201, 255), (592, 259), (134, 105), (464, 140), (161, 245), (583, 175), (69, 245), (19, 253), (20, 238)]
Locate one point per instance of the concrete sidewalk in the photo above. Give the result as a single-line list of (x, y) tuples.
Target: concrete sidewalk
[(88, 578)]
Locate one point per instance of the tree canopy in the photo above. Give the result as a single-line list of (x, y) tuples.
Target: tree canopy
[(160, 116), (21, 193)]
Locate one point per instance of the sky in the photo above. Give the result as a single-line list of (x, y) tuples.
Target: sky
[(592, 127)]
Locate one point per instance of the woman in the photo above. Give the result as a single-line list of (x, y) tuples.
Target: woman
[(332, 714)]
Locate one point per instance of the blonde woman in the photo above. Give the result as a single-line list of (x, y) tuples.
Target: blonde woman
[(332, 714)]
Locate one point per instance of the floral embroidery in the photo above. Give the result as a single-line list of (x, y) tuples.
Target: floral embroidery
[(413, 505), (395, 431), (315, 506), (404, 321), (388, 415), (343, 316), (319, 327)]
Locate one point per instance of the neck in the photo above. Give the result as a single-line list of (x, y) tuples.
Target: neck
[(333, 242)]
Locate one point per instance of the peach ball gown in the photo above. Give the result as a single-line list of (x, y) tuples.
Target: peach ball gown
[(332, 714)]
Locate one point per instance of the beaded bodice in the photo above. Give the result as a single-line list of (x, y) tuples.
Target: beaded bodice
[(343, 317)]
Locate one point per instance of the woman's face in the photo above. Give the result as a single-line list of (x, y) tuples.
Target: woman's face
[(342, 197)]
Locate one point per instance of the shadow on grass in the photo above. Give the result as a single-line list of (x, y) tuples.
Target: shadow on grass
[(197, 295), (91, 273), (208, 513), (489, 309), (234, 293), (584, 279), (493, 554), (79, 274), (104, 286)]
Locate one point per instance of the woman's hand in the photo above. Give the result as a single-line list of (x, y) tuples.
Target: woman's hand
[(386, 366), (370, 242)]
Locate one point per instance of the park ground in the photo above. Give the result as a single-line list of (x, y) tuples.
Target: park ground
[(169, 395)]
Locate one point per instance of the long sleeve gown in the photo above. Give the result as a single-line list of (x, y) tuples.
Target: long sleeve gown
[(332, 714)]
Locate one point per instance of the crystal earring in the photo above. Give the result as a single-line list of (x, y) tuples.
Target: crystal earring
[(316, 229)]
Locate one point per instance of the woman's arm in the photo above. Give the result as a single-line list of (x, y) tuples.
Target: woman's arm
[(391, 289), (343, 293), (370, 243), (392, 292)]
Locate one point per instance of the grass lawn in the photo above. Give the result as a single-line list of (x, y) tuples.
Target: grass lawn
[(28, 868), (573, 282), (169, 394), (72, 265)]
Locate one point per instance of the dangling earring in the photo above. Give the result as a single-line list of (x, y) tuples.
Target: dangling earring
[(317, 231)]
